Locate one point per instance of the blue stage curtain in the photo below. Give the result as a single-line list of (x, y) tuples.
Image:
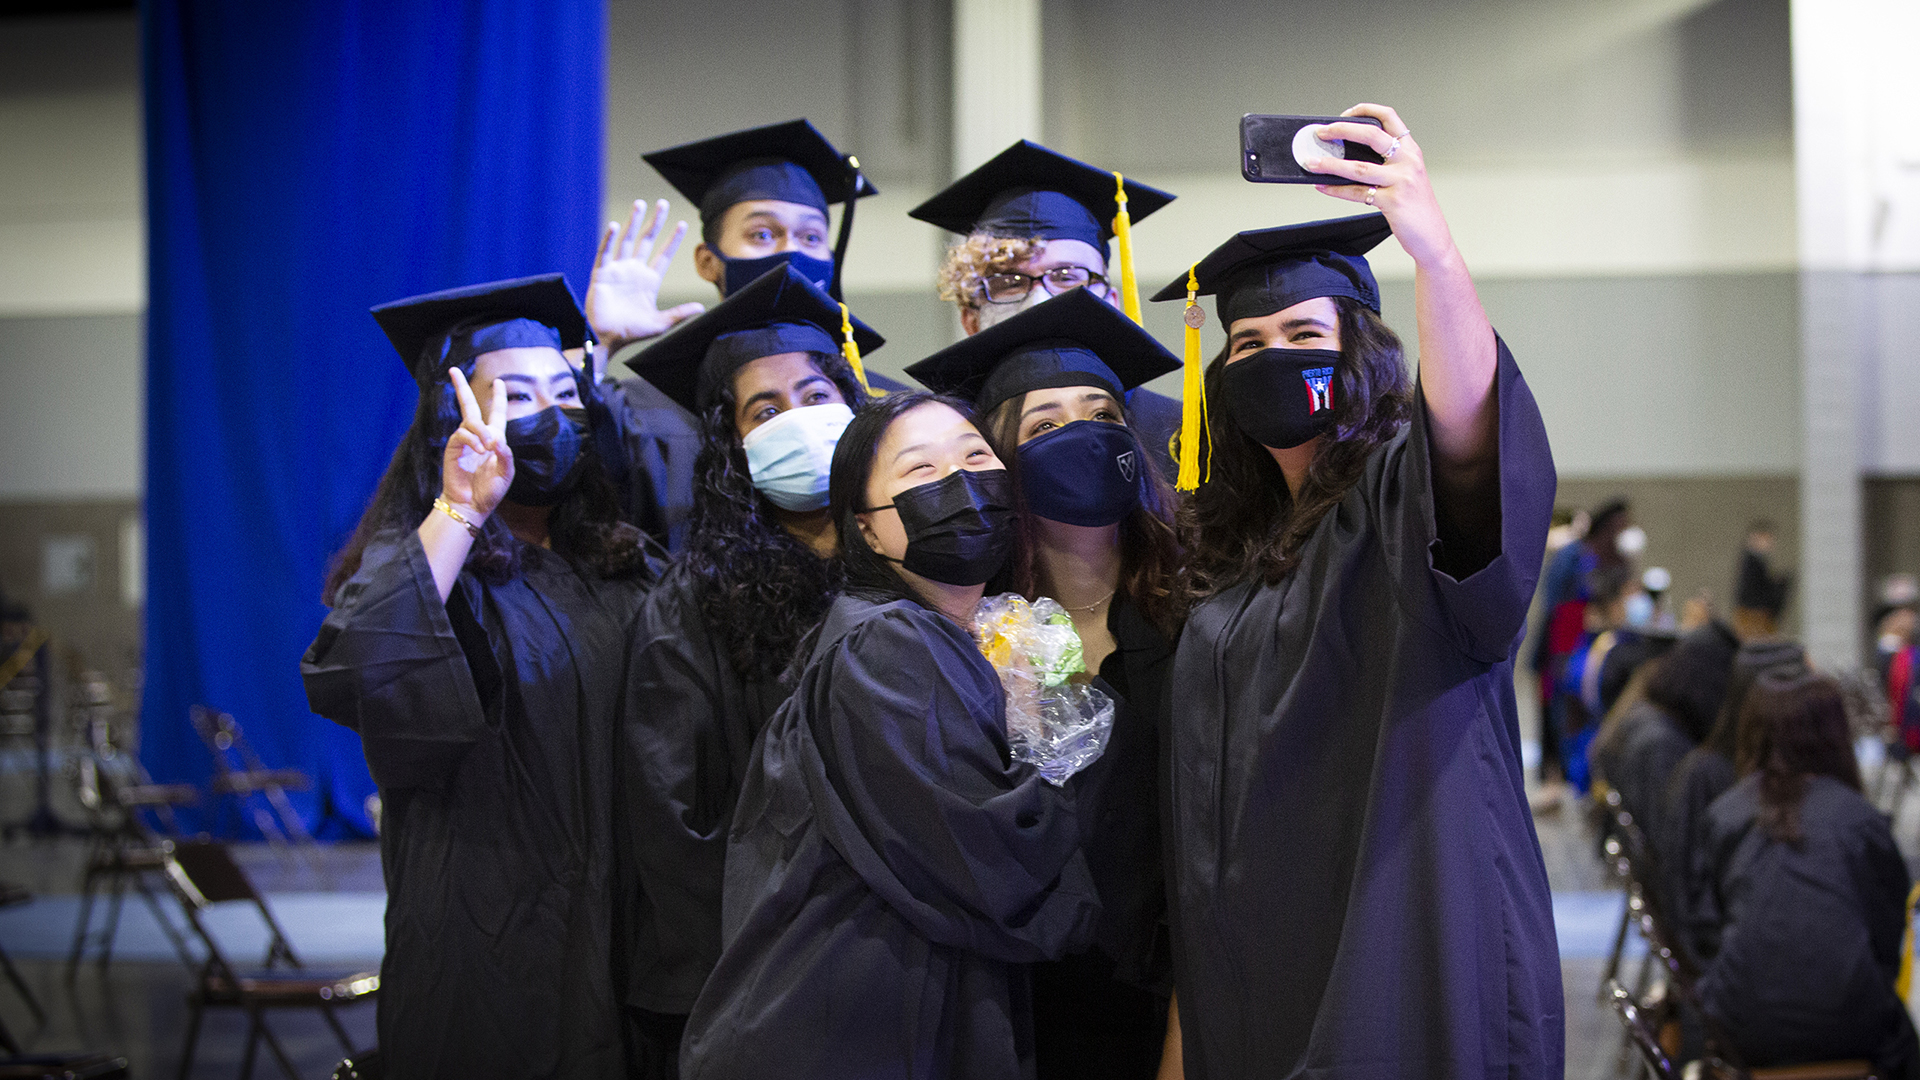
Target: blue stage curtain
[(305, 160)]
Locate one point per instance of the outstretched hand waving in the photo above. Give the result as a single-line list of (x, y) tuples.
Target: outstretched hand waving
[(623, 296)]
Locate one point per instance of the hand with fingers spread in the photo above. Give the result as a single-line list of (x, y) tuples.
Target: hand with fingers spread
[(623, 296), (1397, 187), (477, 468)]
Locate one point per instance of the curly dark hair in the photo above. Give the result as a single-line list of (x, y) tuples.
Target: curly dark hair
[(1243, 522), (1150, 557), (584, 528), (760, 588)]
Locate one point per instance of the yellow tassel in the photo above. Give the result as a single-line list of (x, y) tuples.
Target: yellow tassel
[(1904, 982), (1193, 395), (1123, 232), (852, 352)]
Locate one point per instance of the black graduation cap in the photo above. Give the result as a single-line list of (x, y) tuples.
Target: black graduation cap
[(1028, 190), (1262, 271), (791, 162), (780, 312), (435, 331), (1075, 339)]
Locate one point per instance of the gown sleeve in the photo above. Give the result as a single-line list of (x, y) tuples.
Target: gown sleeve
[(916, 793), (400, 667), (661, 441), (1484, 608)]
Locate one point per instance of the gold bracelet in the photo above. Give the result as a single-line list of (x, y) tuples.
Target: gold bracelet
[(441, 504)]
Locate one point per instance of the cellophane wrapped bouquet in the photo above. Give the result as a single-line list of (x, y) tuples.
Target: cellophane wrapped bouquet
[(1054, 723)]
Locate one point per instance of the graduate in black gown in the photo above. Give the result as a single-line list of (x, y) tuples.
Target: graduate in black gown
[(1810, 892), (765, 374), (476, 643), (1051, 385), (1357, 888), (1705, 774), (892, 870), (1683, 696), (1035, 224), (763, 196)]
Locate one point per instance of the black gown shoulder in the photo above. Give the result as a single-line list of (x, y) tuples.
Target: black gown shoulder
[(661, 440), (487, 722), (891, 870)]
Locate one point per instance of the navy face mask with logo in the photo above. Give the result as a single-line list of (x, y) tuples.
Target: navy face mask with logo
[(1083, 473), (960, 528), (549, 449), (744, 272), (1282, 397)]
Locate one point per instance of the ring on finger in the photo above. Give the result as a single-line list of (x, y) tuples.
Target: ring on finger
[(1371, 192), (1392, 149)]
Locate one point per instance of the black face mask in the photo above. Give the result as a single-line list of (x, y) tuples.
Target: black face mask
[(744, 272), (960, 528), (1084, 473), (549, 449), (1282, 397)]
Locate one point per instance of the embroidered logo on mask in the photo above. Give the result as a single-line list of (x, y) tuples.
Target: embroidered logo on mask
[(1125, 461), (1319, 388)]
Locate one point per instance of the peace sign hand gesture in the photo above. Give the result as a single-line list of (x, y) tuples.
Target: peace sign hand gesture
[(477, 468), (623, 296)]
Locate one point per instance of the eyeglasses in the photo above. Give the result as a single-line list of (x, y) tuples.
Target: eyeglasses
[(1011, 287)]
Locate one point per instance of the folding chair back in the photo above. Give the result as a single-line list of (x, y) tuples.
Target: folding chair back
[(238, 773), (1639, 1032), (203, 874)]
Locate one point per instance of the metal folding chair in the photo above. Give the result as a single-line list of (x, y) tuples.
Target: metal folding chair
[(203, 874), (240, 778)]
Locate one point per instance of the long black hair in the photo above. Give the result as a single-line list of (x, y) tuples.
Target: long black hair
[(870, 575), (1793, 726), (759, 586), (584, 528), (1244, 522), (1150, 556)]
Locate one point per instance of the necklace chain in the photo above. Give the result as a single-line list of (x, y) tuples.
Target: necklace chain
[(1090, 607)]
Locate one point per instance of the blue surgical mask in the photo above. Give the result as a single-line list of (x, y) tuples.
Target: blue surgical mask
[(790, 456), (744, 272)]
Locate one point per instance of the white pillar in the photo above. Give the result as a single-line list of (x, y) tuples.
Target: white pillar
[(1856, 91), (996, 77)]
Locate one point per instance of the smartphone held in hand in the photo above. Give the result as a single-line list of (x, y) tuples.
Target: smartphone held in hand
[(1274, 149)]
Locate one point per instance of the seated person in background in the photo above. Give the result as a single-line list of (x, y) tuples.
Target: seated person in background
[(1576, 709), (1703, 776), (1683, 696), (1810, 891)]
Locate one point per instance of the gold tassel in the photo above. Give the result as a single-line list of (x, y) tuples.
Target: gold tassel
[(1193, 394), (1903, 983), (1123, 232), (852, 352)]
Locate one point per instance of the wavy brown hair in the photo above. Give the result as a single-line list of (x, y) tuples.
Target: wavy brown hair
[(970, 260), (1150, 556), (584, 527), (1244, 523), (760, 588), (1794, 726)]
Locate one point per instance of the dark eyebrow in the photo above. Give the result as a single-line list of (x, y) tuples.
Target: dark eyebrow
[(1304, 321), (811, 379), (1091, 395)]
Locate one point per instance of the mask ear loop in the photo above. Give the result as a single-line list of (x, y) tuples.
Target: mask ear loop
[(846, 230), (851, 350), (1123, 236), (1193, 394)]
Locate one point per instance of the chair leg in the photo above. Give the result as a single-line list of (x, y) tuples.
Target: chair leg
[(279, 1053), (26, 992), (253, 1042), (194, 1009), (115, 897), (178, 942), (11, 1045), (338, 1031), (1612, 970), (88, 885)]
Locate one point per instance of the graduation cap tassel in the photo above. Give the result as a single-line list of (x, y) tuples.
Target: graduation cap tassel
[(1193, 394), (846, 233), (851, 350), (1123, 232)]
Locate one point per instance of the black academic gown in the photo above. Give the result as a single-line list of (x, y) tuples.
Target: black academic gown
[(1701, 778), (686, 737), (1810, 938), (661, 440), (487, 722), (1650, 754), (1358, 891), (1102, 1011), (891, 872)]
